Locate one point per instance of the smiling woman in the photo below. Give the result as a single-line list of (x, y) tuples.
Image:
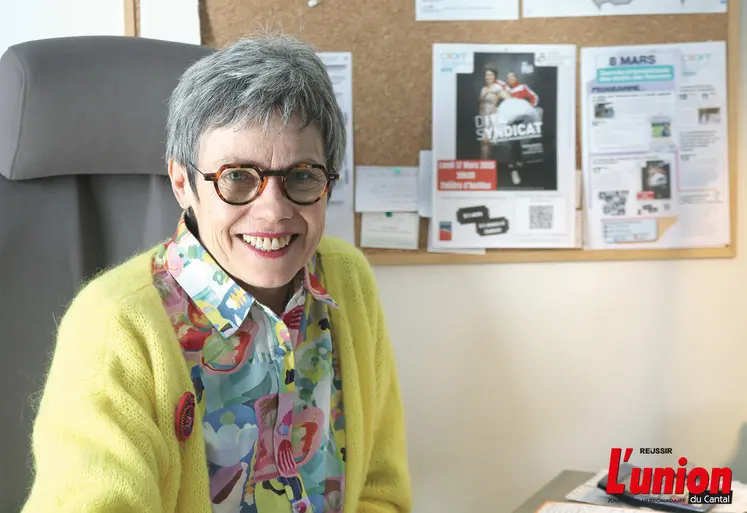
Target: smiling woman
[(209, 372), (261, 227)]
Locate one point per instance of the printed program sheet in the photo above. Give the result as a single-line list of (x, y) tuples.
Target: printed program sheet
[(655, 161)]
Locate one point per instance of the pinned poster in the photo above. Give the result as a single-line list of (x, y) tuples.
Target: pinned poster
[(504, 146)]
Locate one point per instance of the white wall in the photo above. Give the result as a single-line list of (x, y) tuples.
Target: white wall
[(658, 352), (40, 19)]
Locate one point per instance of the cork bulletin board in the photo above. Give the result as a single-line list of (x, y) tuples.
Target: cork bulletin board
[(392, 61)]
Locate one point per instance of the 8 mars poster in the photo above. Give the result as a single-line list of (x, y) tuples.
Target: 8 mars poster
[(503, 146)]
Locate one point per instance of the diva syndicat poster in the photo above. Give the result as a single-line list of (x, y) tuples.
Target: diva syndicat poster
[(504, 146)]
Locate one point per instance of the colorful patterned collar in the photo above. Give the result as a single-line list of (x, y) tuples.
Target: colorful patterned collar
[(214, 292)]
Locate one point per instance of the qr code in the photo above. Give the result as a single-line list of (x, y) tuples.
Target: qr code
[(541, 217), (614, 202)]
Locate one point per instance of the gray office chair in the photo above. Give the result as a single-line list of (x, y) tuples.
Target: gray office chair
[(83, 186)]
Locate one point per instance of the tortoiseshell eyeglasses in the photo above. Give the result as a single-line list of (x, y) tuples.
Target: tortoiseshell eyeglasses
[(240, 184)]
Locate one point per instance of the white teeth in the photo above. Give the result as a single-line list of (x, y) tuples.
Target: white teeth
[(267, 243)]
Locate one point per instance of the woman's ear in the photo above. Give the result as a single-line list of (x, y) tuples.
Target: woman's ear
[(180, 183)]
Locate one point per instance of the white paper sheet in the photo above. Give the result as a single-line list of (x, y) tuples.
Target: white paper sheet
[(454, 10), (41, 19), (386, 189), (340, 70), (425, 183), (738, 500), (655, 159), (170, 20), (455, 251), (503, 146), (341, 221), (390, 231), (574, 507), (563, 8), (590, 493)]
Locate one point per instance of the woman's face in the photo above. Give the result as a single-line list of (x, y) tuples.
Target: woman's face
[(231, 233), (489, 77)]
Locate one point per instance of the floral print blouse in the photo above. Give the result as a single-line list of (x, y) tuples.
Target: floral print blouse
[(268, 389)]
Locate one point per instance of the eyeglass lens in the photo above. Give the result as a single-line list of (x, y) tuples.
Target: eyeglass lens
[(304, 185)]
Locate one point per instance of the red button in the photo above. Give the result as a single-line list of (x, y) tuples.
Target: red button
[(185, 416)]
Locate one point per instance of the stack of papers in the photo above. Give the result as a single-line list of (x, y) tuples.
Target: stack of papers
[(588, 493), (566, 507), (570, 507)]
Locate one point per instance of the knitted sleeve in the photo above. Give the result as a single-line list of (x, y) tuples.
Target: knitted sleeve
[(95, 444), (387, 487)]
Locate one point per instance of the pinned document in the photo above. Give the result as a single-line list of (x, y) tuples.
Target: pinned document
[(170, 20), (340, 221), (655, 140), (458, 10), (425, 183), (386, 189), (567, 8), (389, 230), (340, 70)]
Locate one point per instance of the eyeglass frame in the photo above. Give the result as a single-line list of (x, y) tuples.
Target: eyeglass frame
[(264, 175)]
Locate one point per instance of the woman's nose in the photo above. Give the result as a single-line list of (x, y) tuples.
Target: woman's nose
[(272, 204)]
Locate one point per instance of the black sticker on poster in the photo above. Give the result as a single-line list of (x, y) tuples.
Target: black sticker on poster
[(497, 226), (471, 215)]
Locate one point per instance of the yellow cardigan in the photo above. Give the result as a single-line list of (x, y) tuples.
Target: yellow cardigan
[(104, 438)]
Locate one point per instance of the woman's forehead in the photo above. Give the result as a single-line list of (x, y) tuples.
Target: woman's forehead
[(267, 147)]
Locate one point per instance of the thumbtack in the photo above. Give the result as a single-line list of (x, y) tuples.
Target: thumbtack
[(389, 214), (396, 170), (313, 3)]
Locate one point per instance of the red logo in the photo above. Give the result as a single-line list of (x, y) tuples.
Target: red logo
[(667, 481)]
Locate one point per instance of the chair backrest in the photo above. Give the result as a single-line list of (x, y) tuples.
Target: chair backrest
[(83, 186)]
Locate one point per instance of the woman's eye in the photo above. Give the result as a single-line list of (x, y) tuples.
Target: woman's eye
[(235, 176)]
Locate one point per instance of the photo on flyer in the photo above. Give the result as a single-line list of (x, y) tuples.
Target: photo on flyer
[(507, 113)]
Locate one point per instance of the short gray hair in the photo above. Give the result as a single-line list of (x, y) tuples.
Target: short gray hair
[(248, 83)]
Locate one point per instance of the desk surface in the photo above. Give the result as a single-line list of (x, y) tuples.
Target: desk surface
[(556, 490)]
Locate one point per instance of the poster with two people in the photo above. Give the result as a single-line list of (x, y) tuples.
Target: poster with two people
[(504, 134)]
